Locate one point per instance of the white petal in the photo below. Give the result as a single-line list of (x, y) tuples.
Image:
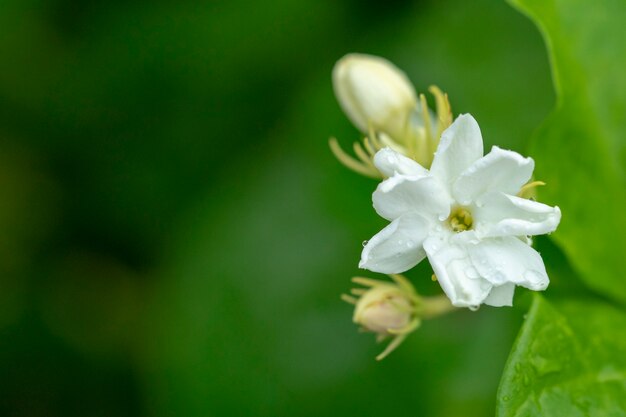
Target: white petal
[(507, 215), (456, 274), (501, 296), (390, 162), (504, 260), (398, 247), (402, 194), (499, 170), (461, 144)]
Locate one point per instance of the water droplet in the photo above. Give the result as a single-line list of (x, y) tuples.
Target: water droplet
[(544, 366), (474, 308), (533, 276), (410, 244), (364, 243), (471, 272)]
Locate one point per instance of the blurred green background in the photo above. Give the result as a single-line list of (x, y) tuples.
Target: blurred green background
[(174, 231)]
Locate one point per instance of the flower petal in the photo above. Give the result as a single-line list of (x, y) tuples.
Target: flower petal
[(507, 215), (398, 247), (402, 194), (501, 296), (461, 145), (390, 162), (499, 170), (504, 260), (456, 274)]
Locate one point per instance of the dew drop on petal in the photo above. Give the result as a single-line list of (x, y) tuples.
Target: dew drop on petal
[(471, 272), (364, 243), (534, 277)]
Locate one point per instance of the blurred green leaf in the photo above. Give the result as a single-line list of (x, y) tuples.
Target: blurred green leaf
[(568, 360), (581, 148)]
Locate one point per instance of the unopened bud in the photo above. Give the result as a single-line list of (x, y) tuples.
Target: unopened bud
[(374, 93), (384, 309), (393, 309)]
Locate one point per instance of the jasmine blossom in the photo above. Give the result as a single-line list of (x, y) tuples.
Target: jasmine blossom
[(464, 215)]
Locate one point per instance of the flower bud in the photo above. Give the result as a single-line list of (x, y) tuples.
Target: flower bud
[(392, 309), (384, 309), (371, 90)]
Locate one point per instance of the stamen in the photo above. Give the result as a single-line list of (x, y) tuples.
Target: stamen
[(460, 220)]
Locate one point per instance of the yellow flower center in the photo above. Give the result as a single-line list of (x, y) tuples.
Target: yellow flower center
[(460, 220)]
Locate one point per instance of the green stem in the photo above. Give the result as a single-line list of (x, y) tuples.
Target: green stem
[(436, 306)]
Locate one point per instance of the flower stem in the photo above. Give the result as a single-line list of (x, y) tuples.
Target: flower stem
[(436, 306)]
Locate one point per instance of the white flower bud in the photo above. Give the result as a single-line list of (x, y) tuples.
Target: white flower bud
[(372, 90), (384, 309)]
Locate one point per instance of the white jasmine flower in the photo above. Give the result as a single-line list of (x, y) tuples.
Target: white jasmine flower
[(464, 215)]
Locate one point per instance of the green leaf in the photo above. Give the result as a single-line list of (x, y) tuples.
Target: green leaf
[(568, 361), (581, 148)]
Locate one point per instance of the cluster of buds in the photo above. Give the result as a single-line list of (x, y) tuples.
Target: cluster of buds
[(381, 102), (392, 309)]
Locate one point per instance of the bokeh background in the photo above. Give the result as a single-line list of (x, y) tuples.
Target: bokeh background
[(174, 231)]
